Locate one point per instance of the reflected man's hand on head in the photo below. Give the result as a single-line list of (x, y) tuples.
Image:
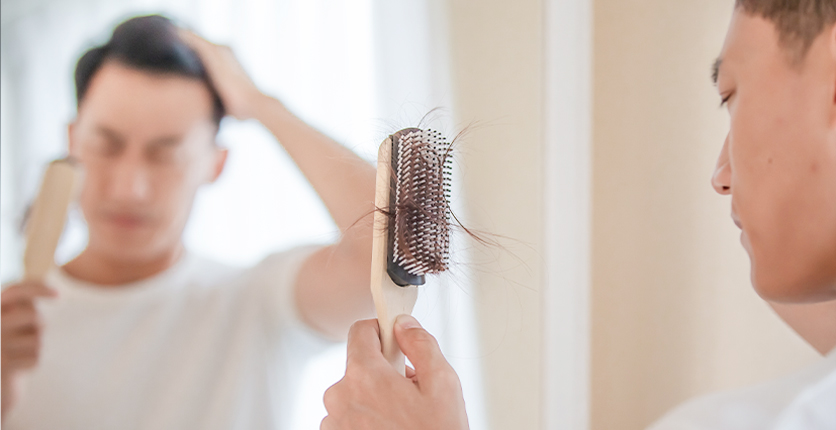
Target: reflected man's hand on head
[(372, 395), (237, 91)]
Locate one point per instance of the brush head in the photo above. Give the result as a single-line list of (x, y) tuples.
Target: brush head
[(419, 241)]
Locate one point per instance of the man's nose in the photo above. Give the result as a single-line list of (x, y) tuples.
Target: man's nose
[(721, 180), (130, 180)]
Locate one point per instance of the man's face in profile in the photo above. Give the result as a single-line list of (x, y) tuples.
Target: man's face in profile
[(146, 142), (779, 159)]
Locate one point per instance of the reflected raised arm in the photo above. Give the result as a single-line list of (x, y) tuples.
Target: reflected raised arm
[(332, 289)]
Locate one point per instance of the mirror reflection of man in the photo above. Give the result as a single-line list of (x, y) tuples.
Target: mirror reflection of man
[(777, 77), (138, 332)]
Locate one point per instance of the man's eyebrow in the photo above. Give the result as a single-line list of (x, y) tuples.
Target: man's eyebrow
[(172, 140), (715, 70), (110, 134)]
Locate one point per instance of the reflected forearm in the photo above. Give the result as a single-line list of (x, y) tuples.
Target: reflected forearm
[(332, 289)]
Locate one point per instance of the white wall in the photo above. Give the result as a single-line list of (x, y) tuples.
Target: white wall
[(358, 70)]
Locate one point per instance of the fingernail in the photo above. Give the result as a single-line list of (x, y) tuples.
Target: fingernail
[(407, 321)]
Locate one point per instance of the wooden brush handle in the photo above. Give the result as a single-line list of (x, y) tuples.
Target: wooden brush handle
[(46, 221), (390, 300)]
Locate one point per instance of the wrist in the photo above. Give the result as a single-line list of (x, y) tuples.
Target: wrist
[(265, 108)]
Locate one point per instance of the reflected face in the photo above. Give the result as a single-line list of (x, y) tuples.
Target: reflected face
[(779, 159), (146, 142)]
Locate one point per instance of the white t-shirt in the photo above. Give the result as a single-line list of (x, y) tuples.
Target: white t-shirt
[(199, 346), (805, 400)]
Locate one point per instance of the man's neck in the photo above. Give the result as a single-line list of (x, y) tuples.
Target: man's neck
[(102, 269), (814, 322)]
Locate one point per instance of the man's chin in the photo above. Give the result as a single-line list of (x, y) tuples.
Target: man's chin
[(775, 286), (129, 249)]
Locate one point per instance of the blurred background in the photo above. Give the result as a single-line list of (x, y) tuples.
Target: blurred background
[(662, 309)]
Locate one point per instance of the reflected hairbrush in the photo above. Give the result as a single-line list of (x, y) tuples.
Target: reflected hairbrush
[(411, 225)]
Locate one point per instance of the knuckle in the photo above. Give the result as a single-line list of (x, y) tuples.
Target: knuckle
[(362, 325), (445, 383), (423, 337), (449, 378), (331, 397), (359, 383), (29, 363), (354, 375)]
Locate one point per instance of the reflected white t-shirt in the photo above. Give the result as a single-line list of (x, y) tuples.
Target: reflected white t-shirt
[(805, 400), (199, 346)]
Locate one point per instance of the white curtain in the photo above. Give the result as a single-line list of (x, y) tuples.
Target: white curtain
[(356, 69)]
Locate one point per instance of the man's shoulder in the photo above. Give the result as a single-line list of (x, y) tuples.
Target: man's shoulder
[(279, 266), (750, 408), (743, 409), (285, 262), (204, 270)]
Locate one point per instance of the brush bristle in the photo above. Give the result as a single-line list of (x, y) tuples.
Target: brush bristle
[(422, 209)]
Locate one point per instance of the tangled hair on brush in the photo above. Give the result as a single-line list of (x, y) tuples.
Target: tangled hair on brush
[(422, 172), (150, 44), (420, 202)]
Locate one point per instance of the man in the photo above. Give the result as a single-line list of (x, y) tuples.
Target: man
[(138, 333), (777, 75)]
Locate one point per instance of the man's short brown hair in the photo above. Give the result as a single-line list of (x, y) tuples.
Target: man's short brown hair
[(798, 22)]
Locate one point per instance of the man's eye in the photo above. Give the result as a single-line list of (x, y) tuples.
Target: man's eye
[(725, 100), (109, 147), (162, 155)]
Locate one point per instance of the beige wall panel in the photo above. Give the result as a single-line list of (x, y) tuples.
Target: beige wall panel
[(496, 50)]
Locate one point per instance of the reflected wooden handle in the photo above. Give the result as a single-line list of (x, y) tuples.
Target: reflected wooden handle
[(46, 221)]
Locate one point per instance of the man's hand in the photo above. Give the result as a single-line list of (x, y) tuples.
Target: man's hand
[(21, 329), (372, 395), (21, 333), (237, 91)]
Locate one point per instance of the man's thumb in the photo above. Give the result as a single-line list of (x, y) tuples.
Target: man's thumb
[(418, 345)]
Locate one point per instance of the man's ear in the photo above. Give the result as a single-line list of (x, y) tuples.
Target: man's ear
[(219, 163), (831, 71), (831, 42), (71, 146)]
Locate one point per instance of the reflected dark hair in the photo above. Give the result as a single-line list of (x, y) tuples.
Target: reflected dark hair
[(148, 43)]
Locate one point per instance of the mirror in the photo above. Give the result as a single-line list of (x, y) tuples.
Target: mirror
[(616, 288)]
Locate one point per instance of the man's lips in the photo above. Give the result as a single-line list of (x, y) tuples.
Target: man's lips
[(736, 221), (127, 220)]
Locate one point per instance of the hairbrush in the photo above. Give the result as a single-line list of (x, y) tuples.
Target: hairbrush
[(411, 226), (46, 221)]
